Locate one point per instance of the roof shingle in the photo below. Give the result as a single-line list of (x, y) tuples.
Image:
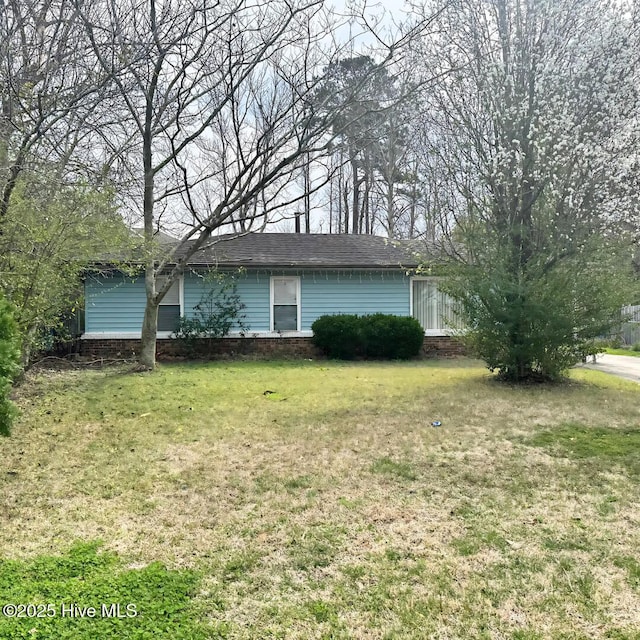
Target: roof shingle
[(305, 250)]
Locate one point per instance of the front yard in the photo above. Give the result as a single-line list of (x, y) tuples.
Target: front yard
[(316, 500)]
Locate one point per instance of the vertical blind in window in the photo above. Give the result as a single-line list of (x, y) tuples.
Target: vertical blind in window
[(433, 309), (285, 304)]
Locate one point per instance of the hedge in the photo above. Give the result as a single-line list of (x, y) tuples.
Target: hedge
[(376, 336)]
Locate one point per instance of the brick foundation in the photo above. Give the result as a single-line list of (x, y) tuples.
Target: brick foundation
[(442, 347), (206, 349), (433, 347)]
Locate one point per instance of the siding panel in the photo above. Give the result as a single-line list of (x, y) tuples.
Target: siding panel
[(115, 304), (353, 292), (253, 289)]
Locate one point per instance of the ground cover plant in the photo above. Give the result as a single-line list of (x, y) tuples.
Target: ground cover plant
[(9, 363), (90, 595), (316, 500)]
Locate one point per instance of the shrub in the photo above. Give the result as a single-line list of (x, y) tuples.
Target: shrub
[(531, 320), (614, 342), (218, 310), (374, 336), (636, 346), (9, 363), (338, 336), (391, 337)]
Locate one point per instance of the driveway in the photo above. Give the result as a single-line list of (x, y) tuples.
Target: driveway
[(624, 366)]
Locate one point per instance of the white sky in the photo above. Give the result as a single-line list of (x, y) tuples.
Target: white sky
[(390, 11)]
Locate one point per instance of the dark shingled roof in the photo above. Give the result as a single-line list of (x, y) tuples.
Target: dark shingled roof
[(305, 250)]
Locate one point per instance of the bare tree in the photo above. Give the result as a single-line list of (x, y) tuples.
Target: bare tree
[(55, 201), (218, 99), (49, 92), (393, 153), (374, 155)]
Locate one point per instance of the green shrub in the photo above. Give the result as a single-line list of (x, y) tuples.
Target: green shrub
[(9, 363), (338, 336), (376, 336), (614, 342), (218, 310), (533, 319), (391, 337), (636, 346)]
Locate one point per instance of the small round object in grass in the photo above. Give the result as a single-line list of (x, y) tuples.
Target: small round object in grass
[(436, 423)]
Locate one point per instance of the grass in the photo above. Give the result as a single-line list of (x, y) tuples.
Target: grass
[(329, 508), (597, 445), (86, 594), (623, 352)]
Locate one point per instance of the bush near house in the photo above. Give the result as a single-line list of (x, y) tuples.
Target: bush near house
[(9, 363), (376, 336), (394, 337), (338, 336), (218, 310)]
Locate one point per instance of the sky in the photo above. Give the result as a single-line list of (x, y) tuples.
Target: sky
[(390, 10)]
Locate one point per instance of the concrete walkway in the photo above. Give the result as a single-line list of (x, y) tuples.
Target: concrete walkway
[(624, 366)]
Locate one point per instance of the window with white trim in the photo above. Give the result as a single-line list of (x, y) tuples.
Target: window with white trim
[(285, 303), (434, 309), (170, 309)]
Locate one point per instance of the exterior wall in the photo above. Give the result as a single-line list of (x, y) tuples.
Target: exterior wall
[(253, 289), (353, 292), (207, 349), (255, 347), (115, 304)]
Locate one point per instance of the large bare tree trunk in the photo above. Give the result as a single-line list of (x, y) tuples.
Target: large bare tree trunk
[(307, 194), (149, 331), (355, 198), (150, 321)]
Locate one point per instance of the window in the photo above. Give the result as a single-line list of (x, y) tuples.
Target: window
[(285, 304), (170, 310), (433, 309)]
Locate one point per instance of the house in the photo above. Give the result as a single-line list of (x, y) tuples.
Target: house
[(285, 281)]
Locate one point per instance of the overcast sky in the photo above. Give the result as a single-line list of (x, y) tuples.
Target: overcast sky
[(392, 11)]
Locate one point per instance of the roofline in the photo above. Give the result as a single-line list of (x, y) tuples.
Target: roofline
[(300, 265), (236, 265)]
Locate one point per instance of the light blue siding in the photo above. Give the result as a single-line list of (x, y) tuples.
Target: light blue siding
[(353, 292), (253, 289), (115, 304)]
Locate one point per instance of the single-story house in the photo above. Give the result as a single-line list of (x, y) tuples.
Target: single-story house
[(285, 282)]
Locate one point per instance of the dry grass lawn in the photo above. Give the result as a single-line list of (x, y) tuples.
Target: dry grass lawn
[(316, 500)]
